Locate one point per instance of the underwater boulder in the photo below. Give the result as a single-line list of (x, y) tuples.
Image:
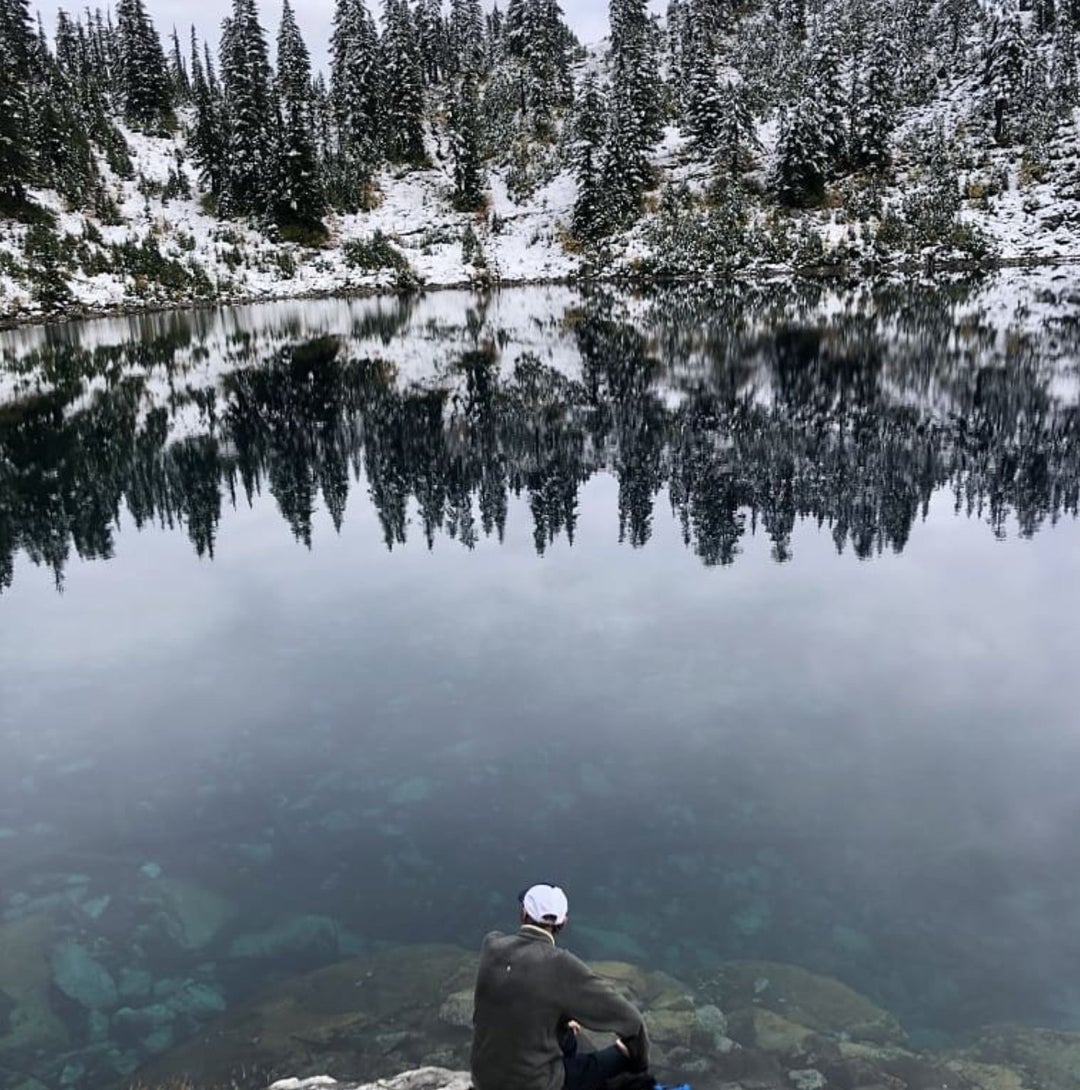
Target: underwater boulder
[(80, 976), (25, 973), (193, 916), (1048, 1059), (306, 935), (457, 1008), (797, 995)]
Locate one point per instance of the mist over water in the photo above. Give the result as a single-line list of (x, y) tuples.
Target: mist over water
[(750, 622)]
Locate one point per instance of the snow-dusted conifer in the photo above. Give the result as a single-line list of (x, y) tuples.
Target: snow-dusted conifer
[(586, 152), (431, 38), (738, 138), (875, 111), (537, 45), (1064, 81), (249, 112), (16, 150), (299, 197), (142, 76), (403, 86), (355, 84), (207, 139), (179, 76), (466, 33), (1007, 55), (466, 140), (802, 155), (635, 75)]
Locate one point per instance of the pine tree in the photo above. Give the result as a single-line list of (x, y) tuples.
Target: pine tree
[(831, 100), (249, 114), (703, 115), (738, 136), (802, 156), (1064, 82), (466, 137), (537, 45), (1007, 56), (586, 153), (179, 77), (16, 155), (403, 86), (355, 85), (142, 76), (431, 34), (466, 36), (875, 111), (635, 68), (299, 196), (624, 169), (207, 139)]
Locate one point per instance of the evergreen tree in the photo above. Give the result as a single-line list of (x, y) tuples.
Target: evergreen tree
[(466, 34), (141, 75), (704, 112), (1064, 82), (355, 85), (586, 157), (1007, 56), (16, 154), (249, 114), (635, 119), (299, 197), (802, 155), (403, 86), (738, 136), (431, 37), (178, 72), (624, 170), (875, 111), (466, 138), (537, 41), (207, 139), (831, 100)]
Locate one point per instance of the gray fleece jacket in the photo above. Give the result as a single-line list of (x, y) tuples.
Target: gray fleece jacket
[(526, 988)]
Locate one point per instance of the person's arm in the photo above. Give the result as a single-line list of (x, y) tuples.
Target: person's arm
[(592, 1002)]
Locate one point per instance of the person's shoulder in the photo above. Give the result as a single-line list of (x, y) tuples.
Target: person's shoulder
[(493, 937)]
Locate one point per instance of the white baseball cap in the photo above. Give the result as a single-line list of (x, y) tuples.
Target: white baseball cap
[(545, 904)]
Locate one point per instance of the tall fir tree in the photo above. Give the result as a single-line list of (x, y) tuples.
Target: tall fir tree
[(586, 157), (250, 114), (466, 36), (355, 86), (738, 137), (299, 197), (431, 37), (1008, 53), (1064, 81), (403, 86), (142, 76), (207, 139), (537, 41), (179, 77), (874, 114), (16, 148), (635, 68), (466, 137), (802, 155)]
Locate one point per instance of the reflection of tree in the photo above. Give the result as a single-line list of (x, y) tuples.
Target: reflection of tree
[(749, 416)]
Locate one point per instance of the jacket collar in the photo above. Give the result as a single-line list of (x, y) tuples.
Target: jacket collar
[(531, 931)]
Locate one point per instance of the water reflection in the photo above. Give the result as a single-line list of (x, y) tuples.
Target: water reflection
[(216, 775), (746, 415)]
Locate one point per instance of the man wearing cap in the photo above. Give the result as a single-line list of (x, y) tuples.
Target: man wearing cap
[(531, 996)]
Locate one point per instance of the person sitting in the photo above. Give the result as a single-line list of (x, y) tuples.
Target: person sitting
[(531, 999)]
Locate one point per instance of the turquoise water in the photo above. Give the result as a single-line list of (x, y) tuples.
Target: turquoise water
[(330, 625)]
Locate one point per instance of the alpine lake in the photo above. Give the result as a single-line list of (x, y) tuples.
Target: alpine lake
[(749, 616)]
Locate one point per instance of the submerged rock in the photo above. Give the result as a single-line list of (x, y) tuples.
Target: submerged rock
[(816, 1002), (1048, 1059), (312, 935), (193, 915), (82, 978), (25, 975)]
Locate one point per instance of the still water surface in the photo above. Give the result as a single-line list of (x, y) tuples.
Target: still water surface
[(754, 623)]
